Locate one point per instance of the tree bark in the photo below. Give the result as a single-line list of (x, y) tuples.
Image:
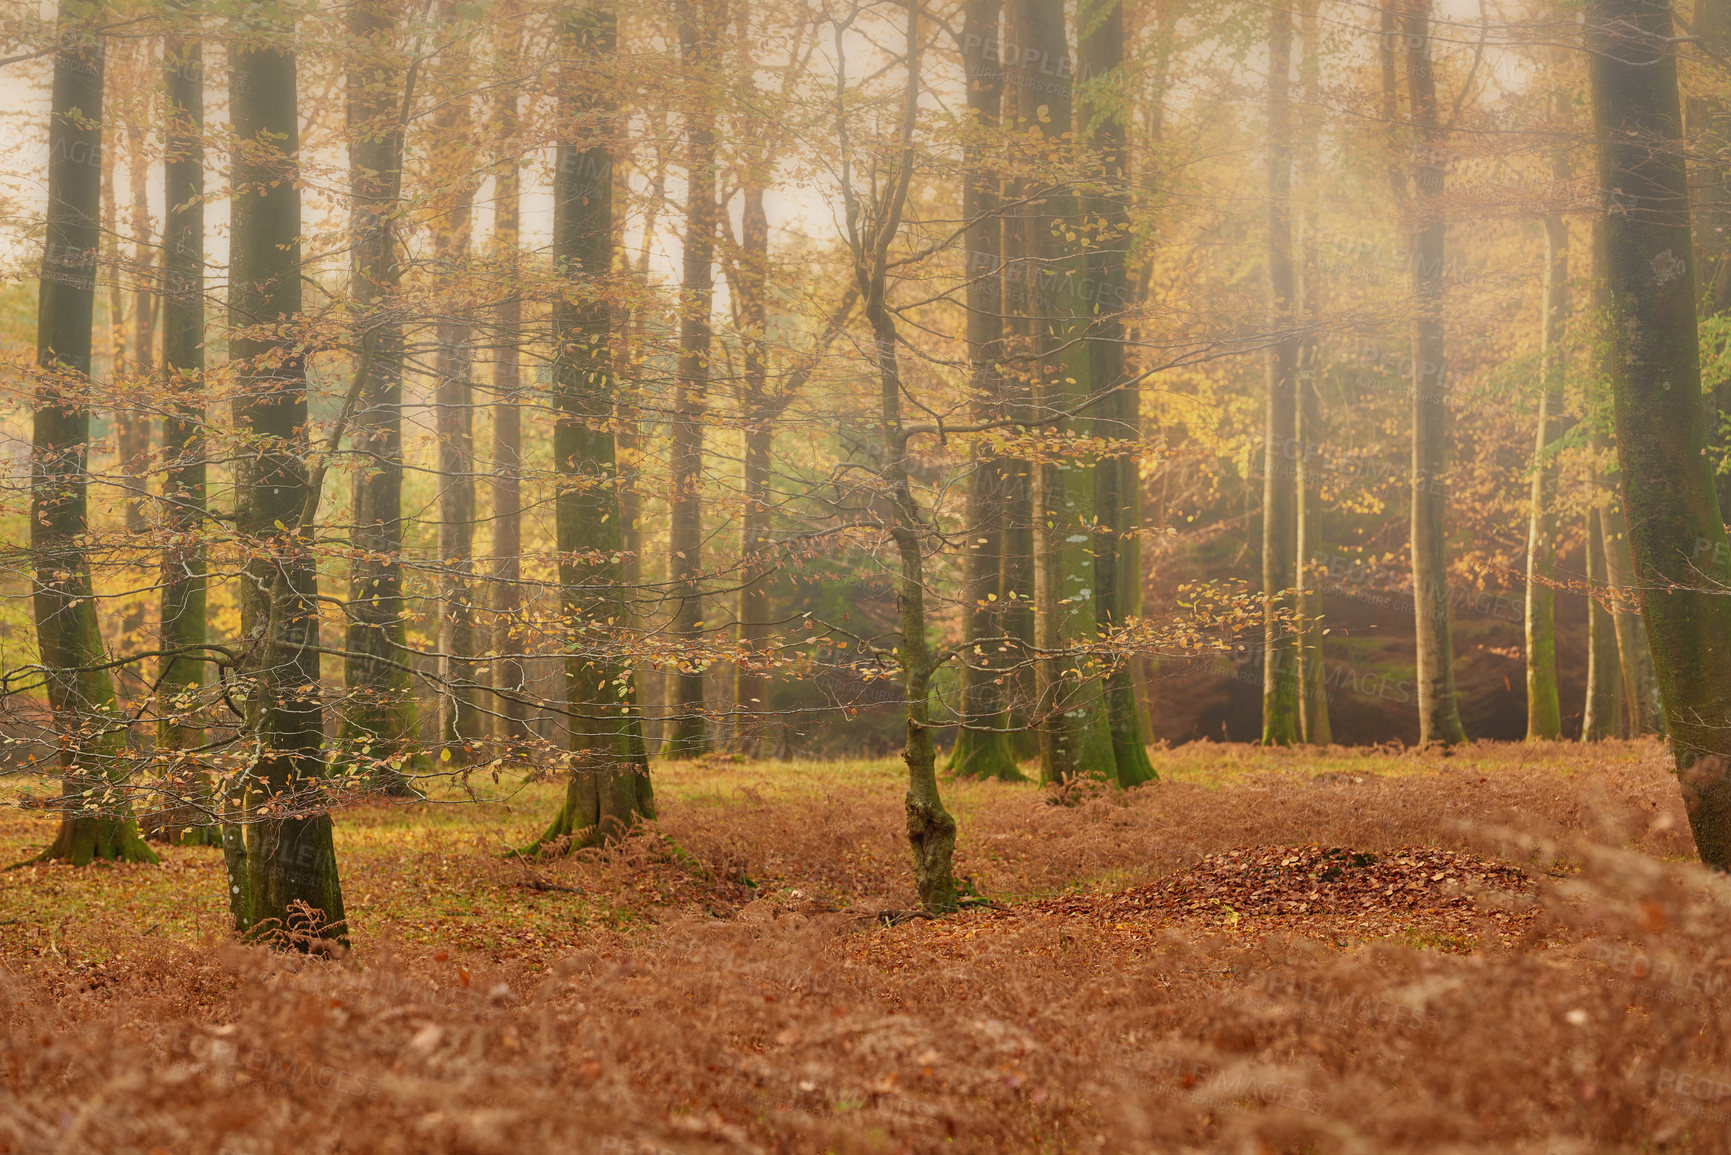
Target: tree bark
[(750, 682), (461, 722), (609, 790), (1314, 723), (1681, 557), (282, 867), (180, 680), (96, 810), (688, 734), (1709, 123), (1602, 711), (133, 425), (1116, 412), (380, 713), (511, 726), (1544, 711), (1438, 711), (982, 749), (1281, 721)]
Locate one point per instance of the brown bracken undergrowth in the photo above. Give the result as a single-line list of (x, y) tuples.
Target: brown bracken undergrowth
[(1505, 950)]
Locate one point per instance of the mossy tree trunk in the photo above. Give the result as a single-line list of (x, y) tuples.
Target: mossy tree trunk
[(1544, 710), (379, 718), (982, 749), (750, 680), (96, 819), (1676, 531), (1280, 681), (180, 682), (609, 789), (282, 866), (1116, 412)]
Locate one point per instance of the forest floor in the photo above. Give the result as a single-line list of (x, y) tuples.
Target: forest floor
[(1504, 949)]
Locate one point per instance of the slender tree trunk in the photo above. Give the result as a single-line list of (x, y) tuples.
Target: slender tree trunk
[(1438, 711), (1313, 718), (982, 750), (1676, 531), (1544, 712), (751, 682), (609, 788), (282, 867), (1709, 123), (511, 727), (96, 809), (461, 722), (379, 721), (688, 735), (180, 682), (1116, 415), (1280, 685)]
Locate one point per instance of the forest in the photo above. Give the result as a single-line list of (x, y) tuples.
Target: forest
[(865, 576)]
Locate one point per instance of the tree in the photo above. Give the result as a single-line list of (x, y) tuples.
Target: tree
[(697, 51), (1544, 713), (1280, 685), (1676, 531), (180, 681), (96, 811), (981, 749), (609, 789), (379, 721), (1438, 710), (282, 866), (511, 727), (871, 231), (453, 161)]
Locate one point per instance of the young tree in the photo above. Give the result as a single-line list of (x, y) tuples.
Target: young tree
[(1280, 686), (609, 788), (282, 866), (96, 811), (1681, 558), (379, 719), (871, 231)]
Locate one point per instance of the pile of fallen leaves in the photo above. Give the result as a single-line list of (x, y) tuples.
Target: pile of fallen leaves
[(1299, 880)]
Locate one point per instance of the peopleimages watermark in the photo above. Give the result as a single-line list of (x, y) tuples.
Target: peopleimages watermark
[(1336, 1008), (244, 1063), (1282, 456), (1350, 578), (1214, 1080), (1673, 981), (1695, 1093)]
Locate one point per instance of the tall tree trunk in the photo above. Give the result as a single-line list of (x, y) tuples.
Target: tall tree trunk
[(751, 683), (133, 424), (511, 727), (379, 720), (461, 722), (282, 867), (1117, 406), (1709, 123), (981, 749), (1069, 710), (1439, 719), (1544, 712), (180, 681), (1020, 104), (1280, 686), (609, 788), (96, 810), (1314, 723), (1676, 530), (688, 735)]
